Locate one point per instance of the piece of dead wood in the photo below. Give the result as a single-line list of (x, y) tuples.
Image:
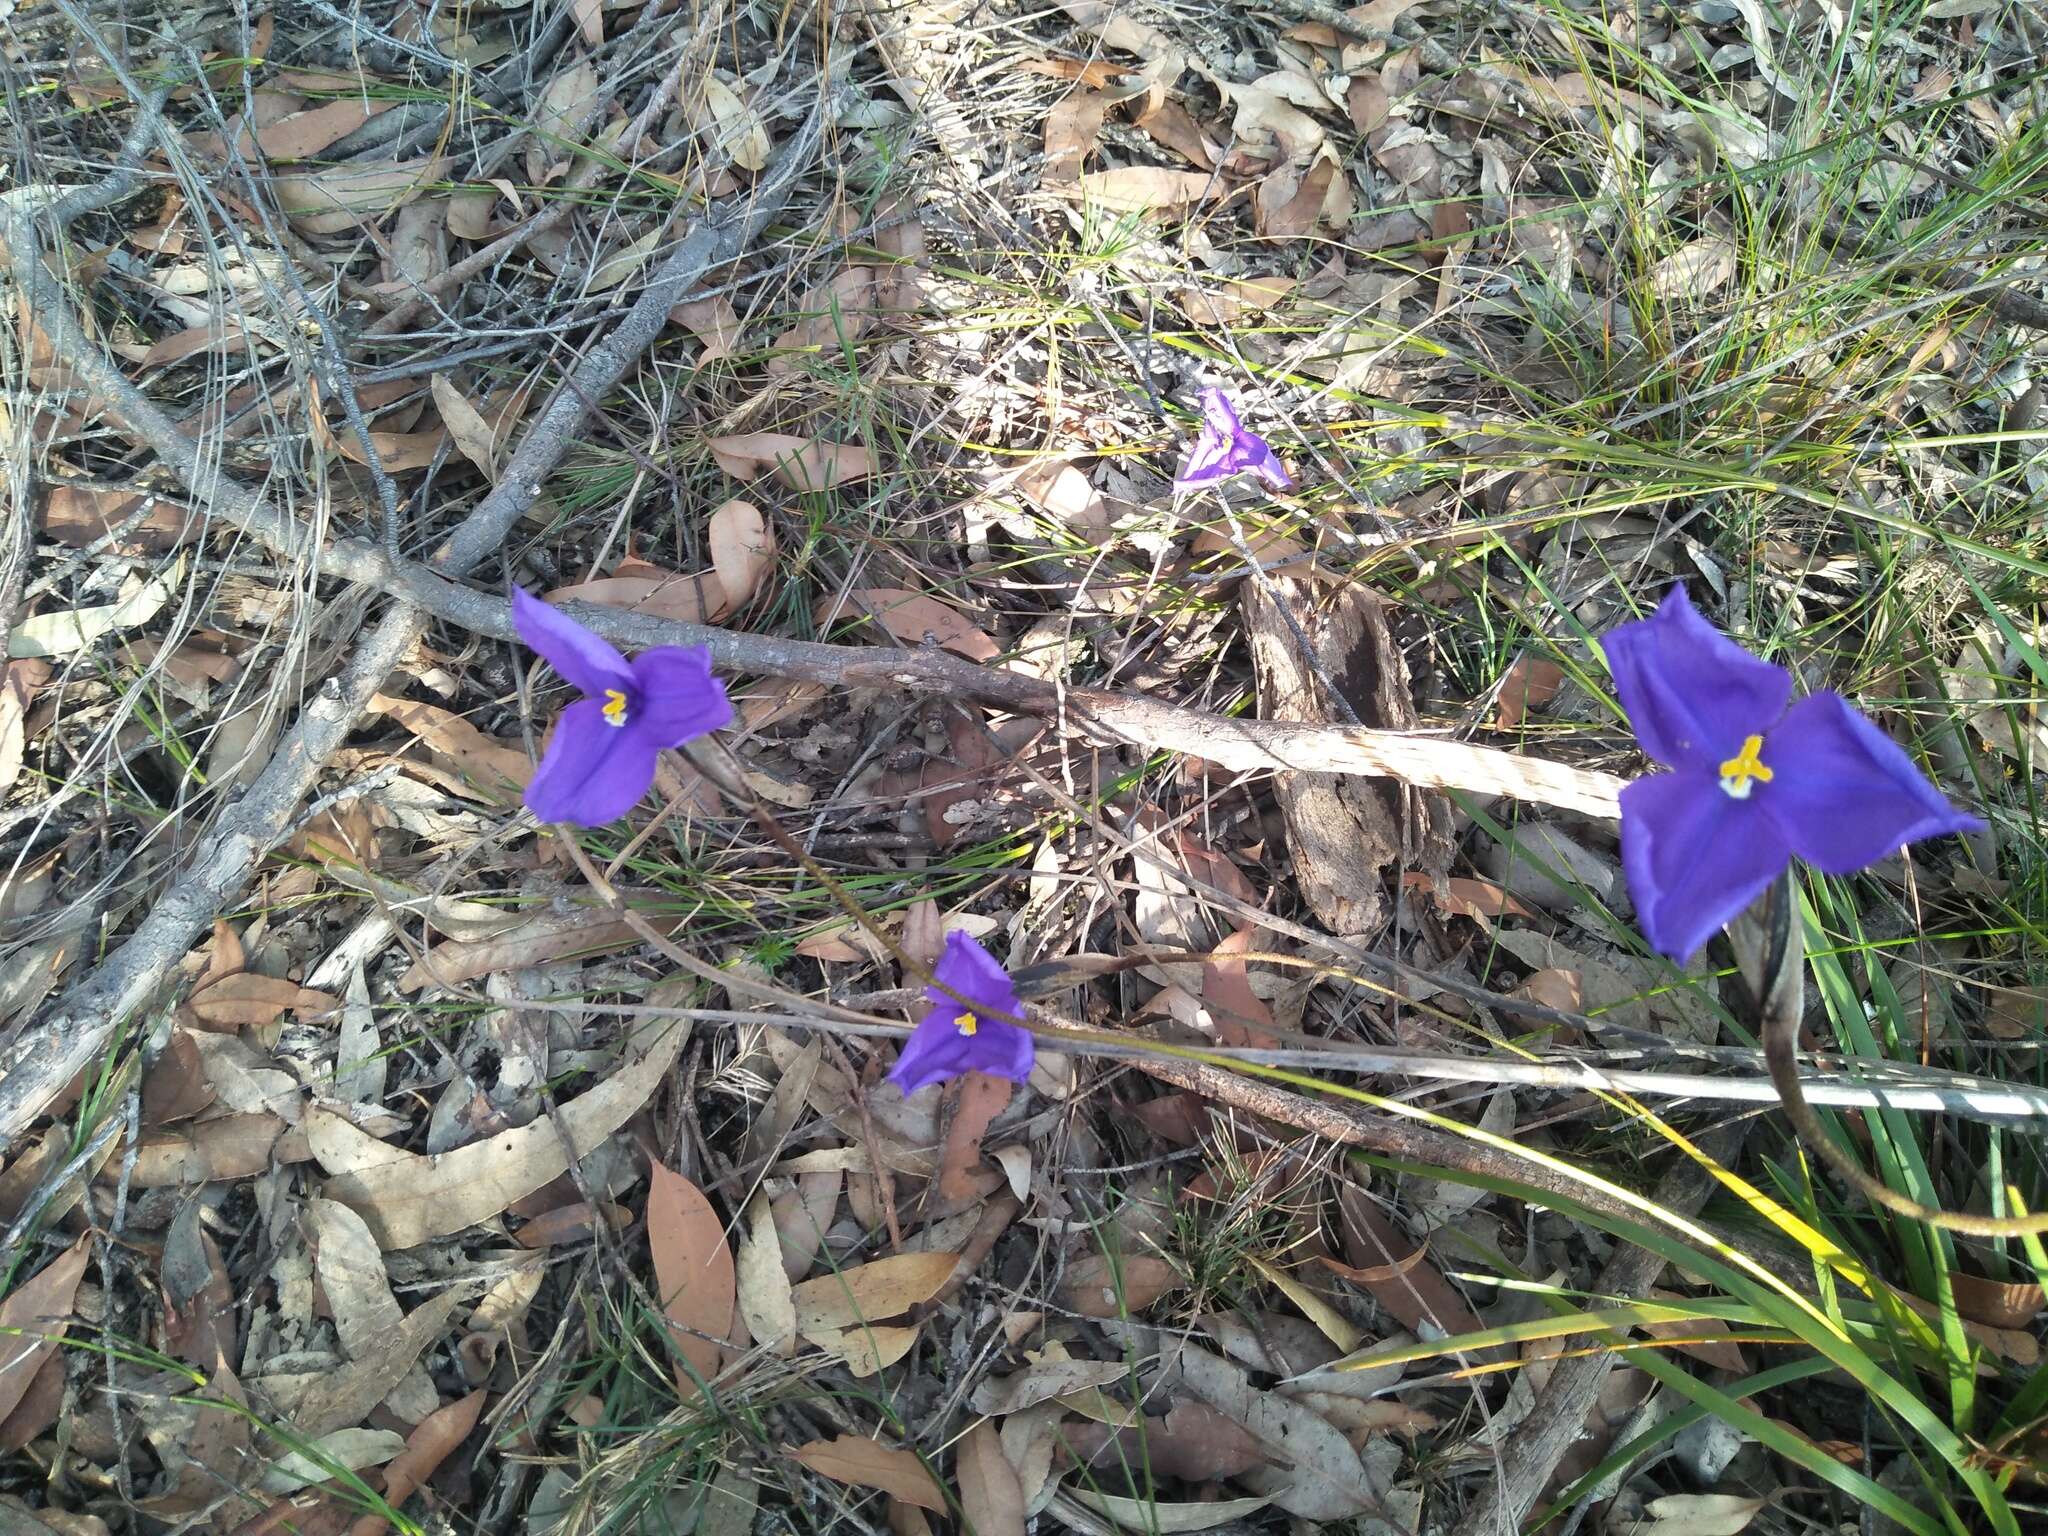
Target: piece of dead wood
[(1100, 715), (1346, 832)]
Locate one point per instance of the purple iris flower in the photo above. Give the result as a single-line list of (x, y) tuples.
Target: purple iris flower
[(1752, 782), (601, 758), (951, 1039), (1225, 448)]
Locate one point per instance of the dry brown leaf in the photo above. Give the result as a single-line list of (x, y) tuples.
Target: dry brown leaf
[(1318, 1476), (250, 1001), (899, 289), (576, 1222), (78, 516), (733, 126), (38, 1409), (1530, 683), (1230, 302), (231, 1147), (346, 1397), (1171, 124), (913, 619), (498, 770), (765, 1298), (1070, 131), (977, 1099), (1997, 1303), (35, 1315), (561, 120), (474, 437), (1193, 1443), (834, 314), (698, 598), (350, 1272), (867, 1349), (306, 133), (1706, 1337), (1696, 272), (694, 1276), (802, 464), (438, 1436), (1061, 491), (1285, 208), (872, 1292), (742, 549), (991, 1497), (407, 1199), (801, 1216), (226, 336), (1140, 189), (1461, 896), (1097, 1288), (1240, 1015), (1397, 1271), (712, 321), (865, 1463), (1097, 74), (593, 931), (324, 202)]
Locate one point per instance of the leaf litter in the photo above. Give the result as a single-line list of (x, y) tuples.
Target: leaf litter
[(427, 1181)]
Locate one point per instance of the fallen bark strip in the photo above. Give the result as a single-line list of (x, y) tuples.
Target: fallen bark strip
[(1114, 719), (46, 1056)]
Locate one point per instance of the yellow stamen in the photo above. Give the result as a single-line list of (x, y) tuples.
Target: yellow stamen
[(968, 1025), (614, 707), (1737, 772)]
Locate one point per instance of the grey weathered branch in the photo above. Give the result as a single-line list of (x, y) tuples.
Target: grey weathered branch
[(48, 1055)]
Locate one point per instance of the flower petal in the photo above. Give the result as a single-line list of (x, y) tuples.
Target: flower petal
[(1695, 857), (1218, 414), (1207, 460), (936, 1050), (675, 695), (1842, 793), (1256, 454), (1691, 694), (586, 659), (975, 974), (593, 772)]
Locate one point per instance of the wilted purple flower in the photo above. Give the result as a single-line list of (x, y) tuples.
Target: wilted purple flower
[(601, 759), (1225, 448), (1752, 782), (951, 1039)]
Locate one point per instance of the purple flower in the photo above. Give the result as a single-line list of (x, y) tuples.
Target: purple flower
[(601, 759), (951, 1039), (1752, 782), (1225, 448)]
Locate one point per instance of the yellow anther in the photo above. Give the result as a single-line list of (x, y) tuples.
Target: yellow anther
[(614, 707), (1738, 772), (968, 1025)]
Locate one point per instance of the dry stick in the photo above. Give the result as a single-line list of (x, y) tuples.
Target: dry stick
[(1103, 716), (1558, 1419), (39, 1064)]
